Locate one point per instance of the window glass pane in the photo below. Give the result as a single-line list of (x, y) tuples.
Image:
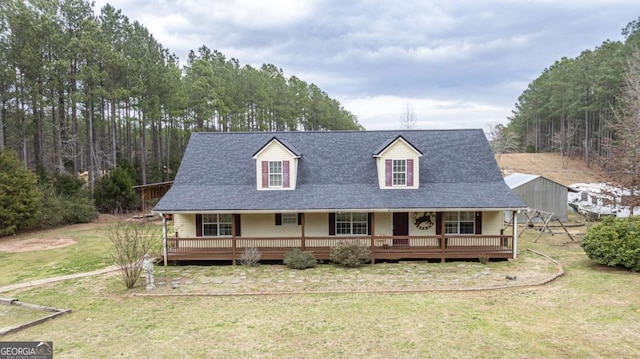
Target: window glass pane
[(451, 216), (275, 174), (341, 216), (359, 217), (225, 229), (209, 218), (359, 228), (467, 228), (225, 218), (467, 216), (343, 228), (209, 229), (399, 172), (289, 218), (451, 228)]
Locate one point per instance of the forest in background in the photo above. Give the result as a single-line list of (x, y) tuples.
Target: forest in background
[(575, 105), (86, 93)]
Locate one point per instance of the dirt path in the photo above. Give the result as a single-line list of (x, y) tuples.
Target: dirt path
[(33, 244)]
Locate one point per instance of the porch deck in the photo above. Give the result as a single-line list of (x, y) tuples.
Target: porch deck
[(382, 247)]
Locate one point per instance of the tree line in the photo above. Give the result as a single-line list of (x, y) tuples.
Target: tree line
[(588, 106), (81, 92), (572, 107)]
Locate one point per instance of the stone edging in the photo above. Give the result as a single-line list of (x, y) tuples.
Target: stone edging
[(560, 272)]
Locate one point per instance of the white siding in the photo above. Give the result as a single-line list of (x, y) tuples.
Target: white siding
[(185, 225), (316, 224), (264, 225), (492, 222), (399, 150), (384, 224)]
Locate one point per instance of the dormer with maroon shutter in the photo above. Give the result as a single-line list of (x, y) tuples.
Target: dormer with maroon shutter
[(398, 163), (276, 166)]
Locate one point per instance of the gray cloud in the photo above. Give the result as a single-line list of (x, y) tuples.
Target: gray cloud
[(458, 63)]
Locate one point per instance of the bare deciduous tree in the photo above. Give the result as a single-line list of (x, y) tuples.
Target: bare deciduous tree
[(562, 142), (131, 241), (409, 121), (623, 165), (501, 139)]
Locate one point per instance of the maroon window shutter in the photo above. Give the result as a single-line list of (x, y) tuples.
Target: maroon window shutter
[(198, 225), (369, 224), (278, 219), (285, 174), (332, 224), (236, 219), (478, 222), (438, 222), (410, 173), (299, 219), (265, 174), (388, 172)]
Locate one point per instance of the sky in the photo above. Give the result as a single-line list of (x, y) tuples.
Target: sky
[(452, 63)]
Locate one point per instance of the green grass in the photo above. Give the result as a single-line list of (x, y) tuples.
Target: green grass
[(90, 252), (591, 312)]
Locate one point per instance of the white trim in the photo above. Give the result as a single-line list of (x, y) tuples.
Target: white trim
[(281, 185), (268, 144), (325, 210), (400, 138)]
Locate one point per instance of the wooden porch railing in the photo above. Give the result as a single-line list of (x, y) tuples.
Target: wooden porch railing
[(382, 247)]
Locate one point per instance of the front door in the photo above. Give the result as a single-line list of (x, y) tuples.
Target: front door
[(400, 228)]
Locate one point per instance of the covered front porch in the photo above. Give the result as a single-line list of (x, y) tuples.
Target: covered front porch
[(387, 235)]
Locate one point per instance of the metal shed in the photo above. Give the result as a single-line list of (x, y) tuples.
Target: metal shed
[(539, 193)]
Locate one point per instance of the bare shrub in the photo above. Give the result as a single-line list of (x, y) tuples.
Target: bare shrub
[(131, 241), (250, 257)]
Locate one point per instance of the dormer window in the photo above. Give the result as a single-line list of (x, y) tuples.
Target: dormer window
[(276, 166), (397, 163), (399, 172)]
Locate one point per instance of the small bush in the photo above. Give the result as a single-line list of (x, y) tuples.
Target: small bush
[(250, 257), (614, 242), (20, 199), (297, 259), (350, 254)]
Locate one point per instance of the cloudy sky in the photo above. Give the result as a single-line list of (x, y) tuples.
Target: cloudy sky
[(455, 63)]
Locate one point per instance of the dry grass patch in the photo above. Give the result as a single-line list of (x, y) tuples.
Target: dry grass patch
[(591, 312)]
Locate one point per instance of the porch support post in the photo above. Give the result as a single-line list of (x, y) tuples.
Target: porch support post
[(515, 234), (443, 238), (373, 235), (233, 239), (303, 245), (164, 239)]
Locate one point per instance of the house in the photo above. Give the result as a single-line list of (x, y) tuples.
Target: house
[(405, 194), (540, 193)]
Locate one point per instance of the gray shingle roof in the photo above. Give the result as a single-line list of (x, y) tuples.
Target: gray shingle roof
[(337, 171)]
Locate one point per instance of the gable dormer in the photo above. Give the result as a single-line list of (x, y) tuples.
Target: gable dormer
[(276, 166), (398, 164)]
